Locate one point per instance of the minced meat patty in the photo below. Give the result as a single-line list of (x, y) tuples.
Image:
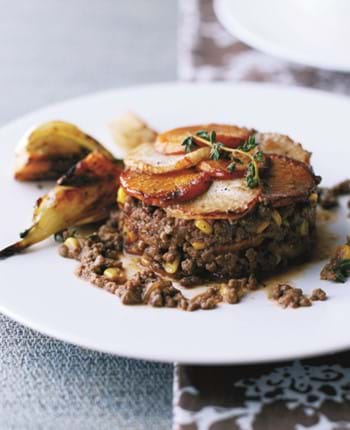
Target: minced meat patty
[(220, 249), (99, 258)]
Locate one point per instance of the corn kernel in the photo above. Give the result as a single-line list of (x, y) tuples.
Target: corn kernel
[(72, 243), (121, 196), (313, 197), (129, 235), (113, 274), (344, 252), (276, 217), (304, 228), (262, 226), (198, 245), (172, 267), (144, 261), (203, 226)]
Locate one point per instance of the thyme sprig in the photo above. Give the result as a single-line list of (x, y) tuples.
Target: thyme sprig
[(218, 148)]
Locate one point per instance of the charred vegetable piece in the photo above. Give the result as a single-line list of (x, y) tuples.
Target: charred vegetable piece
[(130, 130), (162, 190), (171, 141), (287, 181), (84, 195), (48, 151)]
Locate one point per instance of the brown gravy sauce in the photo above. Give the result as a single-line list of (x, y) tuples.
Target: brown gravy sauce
[(325, 245)]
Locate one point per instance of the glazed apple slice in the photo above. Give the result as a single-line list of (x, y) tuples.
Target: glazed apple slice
[(170, 142), (280, 144), (162, 190), (287, 181), (224, 199)]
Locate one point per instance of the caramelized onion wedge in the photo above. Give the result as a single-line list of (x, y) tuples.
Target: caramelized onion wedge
[(288, 181), (49, 150), (146, 159), (224, 199), (161, 190), (280, 144), (170, 142), (86, 194)]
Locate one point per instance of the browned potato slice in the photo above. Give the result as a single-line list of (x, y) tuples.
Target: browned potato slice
[(170, 142), (280, 144), (169, 188), (287, 181), (145, 158), (224, 199)]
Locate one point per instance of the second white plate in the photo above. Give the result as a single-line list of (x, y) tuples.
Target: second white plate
[(310, 32)]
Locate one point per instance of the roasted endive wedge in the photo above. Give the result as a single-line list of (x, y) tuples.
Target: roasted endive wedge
[(49, 150), (84, 195)]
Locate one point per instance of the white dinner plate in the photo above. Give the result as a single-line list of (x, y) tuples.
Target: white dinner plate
[(310, 32), (38, 288)]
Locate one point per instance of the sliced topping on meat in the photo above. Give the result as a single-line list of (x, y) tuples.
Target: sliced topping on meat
[(161, 190), (146, 159), (170, 142), (287, 181), (280, 144), (224, 199), (232, 169)]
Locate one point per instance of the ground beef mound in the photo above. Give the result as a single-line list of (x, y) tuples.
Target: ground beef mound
[(290, 297), (258, 242), (101, 251), (318, 294)]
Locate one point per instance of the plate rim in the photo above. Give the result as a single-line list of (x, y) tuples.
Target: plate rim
[(239, 30)]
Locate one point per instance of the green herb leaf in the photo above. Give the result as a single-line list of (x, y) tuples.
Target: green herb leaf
[(340, 276), (344, 264), (341, 270), (212, 137), (237, 160), (231, 167), (189, 144), (252, 178), (249, 144), (203, 134), (259, 156), (215, 151)]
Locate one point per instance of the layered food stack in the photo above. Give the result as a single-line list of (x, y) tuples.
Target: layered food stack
[(212, 202)]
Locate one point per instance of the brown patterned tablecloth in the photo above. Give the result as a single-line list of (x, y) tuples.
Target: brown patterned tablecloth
[(206, 51), (307, 394)]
